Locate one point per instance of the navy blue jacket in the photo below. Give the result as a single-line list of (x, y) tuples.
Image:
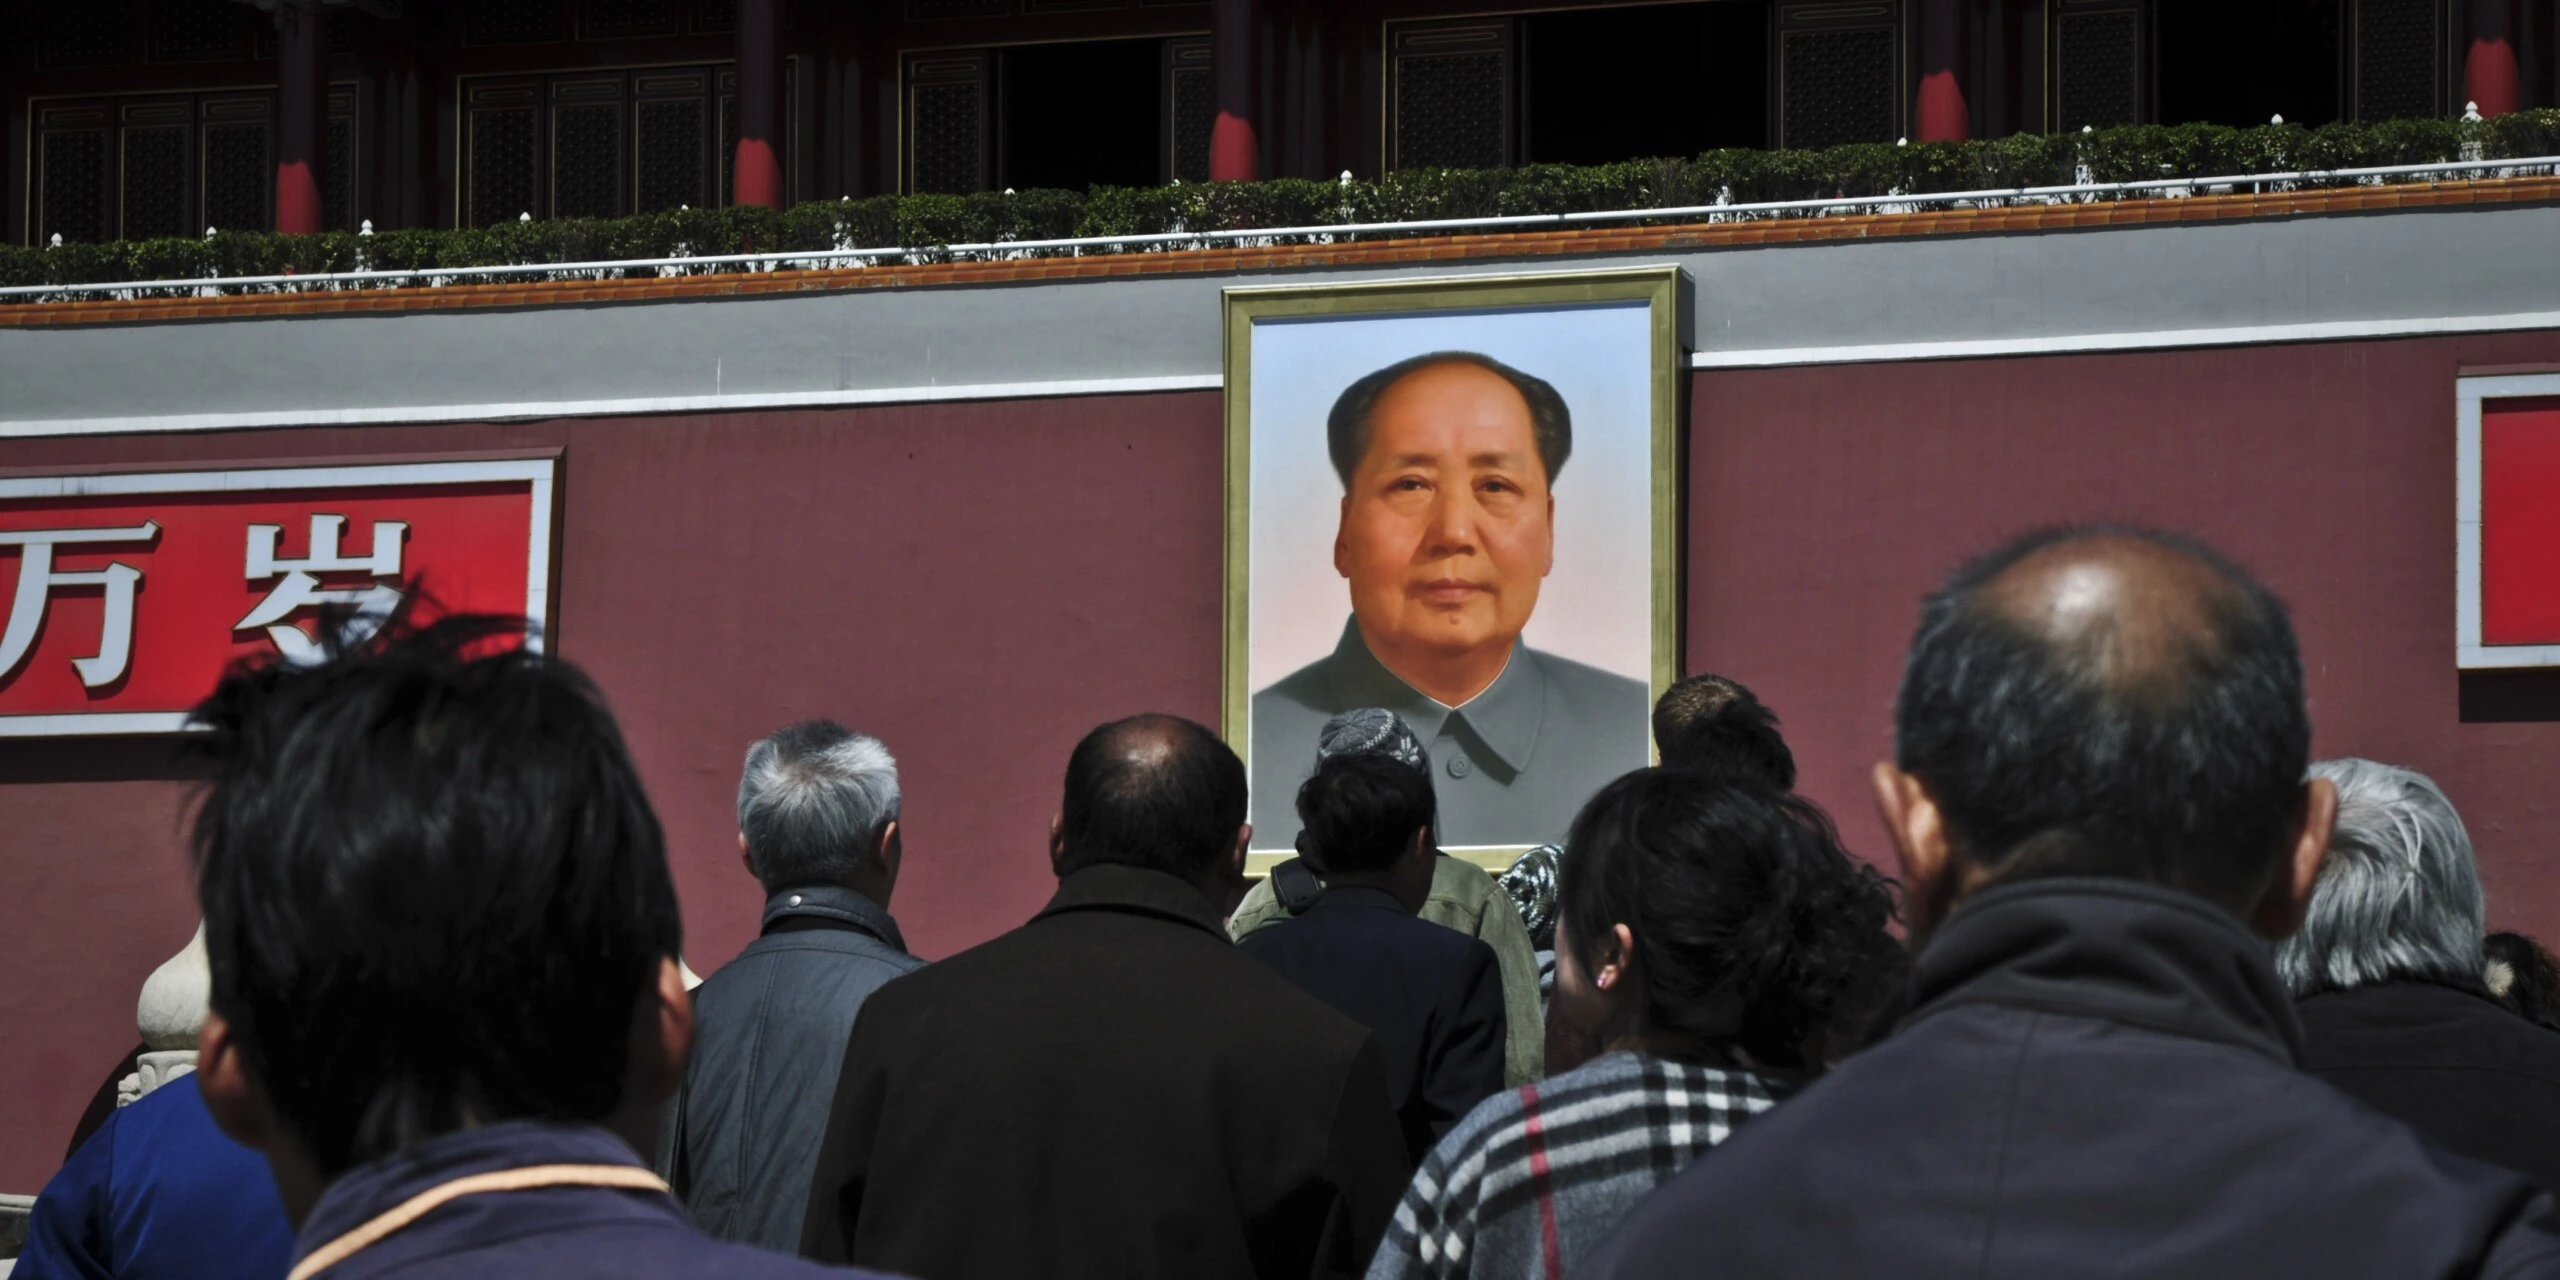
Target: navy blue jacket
[(1431, 995), (769, 1037), (560, 1233), (159, 1191), (2097, 1079)]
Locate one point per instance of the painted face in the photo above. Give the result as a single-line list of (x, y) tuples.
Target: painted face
[(1448, 527)]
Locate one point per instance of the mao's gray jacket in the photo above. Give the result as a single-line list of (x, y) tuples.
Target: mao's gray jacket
[(769, 1038)]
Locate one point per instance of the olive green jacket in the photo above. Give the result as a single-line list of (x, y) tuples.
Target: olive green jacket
[(1465, 898)]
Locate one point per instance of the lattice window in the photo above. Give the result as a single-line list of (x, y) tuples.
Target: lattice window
[(155, 181), (2395, 59), (1070, 6), (949, 118), (73, 174), (670, 154), (182, 30), (1191, 95), (954, 8), (715, 15), (337, 174), (239, 176), (2094, 69), (1837, 87), (1450, 94), (511, 21), (502, 152), (586, 162), (626, 19), (87, 33), (728, 148)]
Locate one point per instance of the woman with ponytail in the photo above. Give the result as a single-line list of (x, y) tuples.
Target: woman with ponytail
[(1715, 949)]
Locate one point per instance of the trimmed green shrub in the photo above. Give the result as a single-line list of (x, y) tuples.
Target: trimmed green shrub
[(923, 227)]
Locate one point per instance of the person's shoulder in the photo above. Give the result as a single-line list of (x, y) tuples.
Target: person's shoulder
[(1584, 685)]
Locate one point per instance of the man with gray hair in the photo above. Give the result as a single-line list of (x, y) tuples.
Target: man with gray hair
[(818, 828), (2388, 976)]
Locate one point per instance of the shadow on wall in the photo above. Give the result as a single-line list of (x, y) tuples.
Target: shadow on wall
[(2507, 697)]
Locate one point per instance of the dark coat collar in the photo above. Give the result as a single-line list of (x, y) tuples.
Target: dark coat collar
[(369, 1190), (1502, 721), (837, 903), (1113, 887), (1356, 897), (2111, 949)]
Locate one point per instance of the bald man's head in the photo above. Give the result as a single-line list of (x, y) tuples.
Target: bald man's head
[(1153, 791), (2110, 702)]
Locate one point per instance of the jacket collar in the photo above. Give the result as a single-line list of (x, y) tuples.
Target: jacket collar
[(837, 903), (369, 1190), (1500, 724), (2112, 949), (1113, 887)]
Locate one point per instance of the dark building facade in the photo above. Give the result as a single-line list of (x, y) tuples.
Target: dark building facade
[(144, 118)]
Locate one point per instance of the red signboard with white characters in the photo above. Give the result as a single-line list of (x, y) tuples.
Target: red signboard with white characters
[(127, 594)]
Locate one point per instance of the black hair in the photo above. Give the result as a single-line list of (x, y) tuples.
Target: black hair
[(1346, 429), (1711, 724), (433, 888), (2532, 986), (1153, 791), (1359, 811), (1753, 927), (2169, 751)]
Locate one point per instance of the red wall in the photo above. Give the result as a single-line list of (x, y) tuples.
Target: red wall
[(980, 583)]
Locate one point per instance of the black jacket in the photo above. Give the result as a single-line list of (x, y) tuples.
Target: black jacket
[(2097, 1079), (2452, 1064), (1112, 1090), (769, 1035), (1431, 995)]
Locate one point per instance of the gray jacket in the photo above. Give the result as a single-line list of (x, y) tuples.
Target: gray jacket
[(769, 1038)]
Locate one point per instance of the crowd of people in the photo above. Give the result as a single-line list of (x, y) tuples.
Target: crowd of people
[(2154, 994)]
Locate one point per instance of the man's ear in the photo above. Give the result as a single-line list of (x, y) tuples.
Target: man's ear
[(1235, 856), (1917, 829), (1342, 539), (893, 847), (2288, 894), (1551, 535), (1058, 845), (745, 859), (231, 1092), (661, 1043)]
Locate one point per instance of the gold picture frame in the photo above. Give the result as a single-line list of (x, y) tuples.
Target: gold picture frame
[(1663, 289)]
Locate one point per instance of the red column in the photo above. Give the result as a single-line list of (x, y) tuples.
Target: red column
[(302, 45), (759, 159), (1945, 114), (1235, 153), (2490, 75)]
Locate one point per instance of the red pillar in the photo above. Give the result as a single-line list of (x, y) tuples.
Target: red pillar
[(2490, 74), (1235, 153), (302, 45), (759, 159), (1945, 114)]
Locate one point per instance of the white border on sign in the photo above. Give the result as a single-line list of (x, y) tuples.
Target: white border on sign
[(2469, 653), (538, 472)]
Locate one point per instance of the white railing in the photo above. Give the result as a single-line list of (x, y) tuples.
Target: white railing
[(1891, 202)]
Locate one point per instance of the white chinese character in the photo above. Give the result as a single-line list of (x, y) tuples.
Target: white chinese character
[(301, 586), (37, 578)]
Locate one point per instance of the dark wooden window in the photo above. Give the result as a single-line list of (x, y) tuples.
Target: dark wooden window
[(195, 30), (510, 21), (2095, 48), (1071, 116), (85, 33), (2238, 64), (1839, 73), (946, 117), (1449, 93), (598, 144), (139, 166), (625, 19), (1603, 85), (2398, 71), (1190, 109)]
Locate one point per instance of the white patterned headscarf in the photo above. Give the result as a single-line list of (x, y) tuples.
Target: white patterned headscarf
[(1372, 730)]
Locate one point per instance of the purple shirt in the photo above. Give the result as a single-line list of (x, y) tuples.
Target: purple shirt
[(566, 1233)]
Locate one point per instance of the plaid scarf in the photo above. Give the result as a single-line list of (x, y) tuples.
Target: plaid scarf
[(1534, 1178)]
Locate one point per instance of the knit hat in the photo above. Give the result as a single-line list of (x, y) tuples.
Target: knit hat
[(1375, 731)]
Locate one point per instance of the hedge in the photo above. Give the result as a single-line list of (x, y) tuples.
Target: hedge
[(925, 224)]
